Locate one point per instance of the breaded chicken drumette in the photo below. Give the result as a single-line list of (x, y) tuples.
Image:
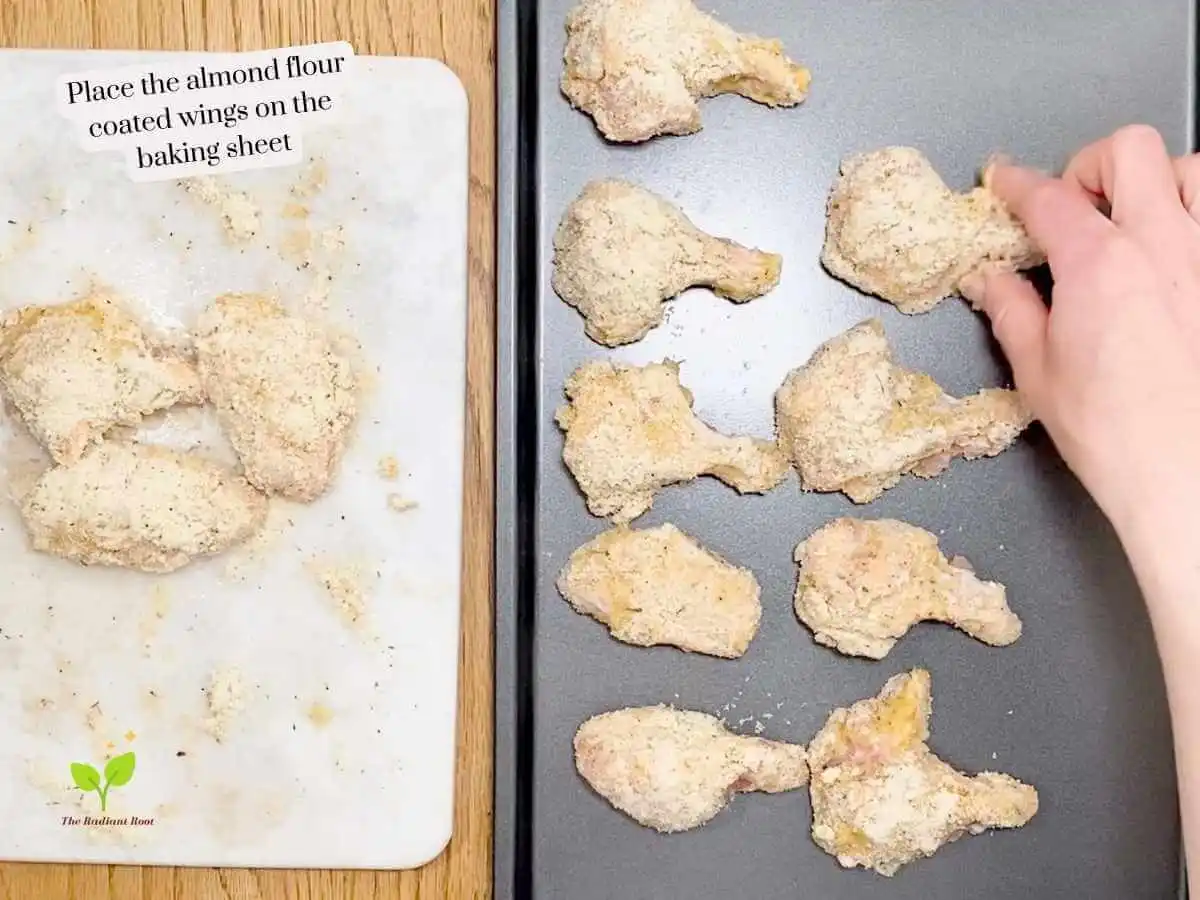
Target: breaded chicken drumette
[(284, 395), (638, 66), (620, 251), (76, 370), (853, 421), (659, 586), (673, 769), (881, 799), (140, 507), (630, 431), (864, 583), (897, 231)]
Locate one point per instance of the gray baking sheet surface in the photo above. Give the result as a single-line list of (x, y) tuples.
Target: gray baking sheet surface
[(1076, 706)]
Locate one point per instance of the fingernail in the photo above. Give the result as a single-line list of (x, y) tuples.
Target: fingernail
[(996, 159), (972, 287)]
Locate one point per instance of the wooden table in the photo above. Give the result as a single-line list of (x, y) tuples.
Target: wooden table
[(461, 33)]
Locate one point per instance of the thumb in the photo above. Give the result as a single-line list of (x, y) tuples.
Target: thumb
[(1019, 319)]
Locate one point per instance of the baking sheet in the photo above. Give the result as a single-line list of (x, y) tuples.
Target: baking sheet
[(1076, 706)]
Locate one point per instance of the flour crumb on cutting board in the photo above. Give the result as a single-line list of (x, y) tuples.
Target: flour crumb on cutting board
[(323, 260), (319, 254), (226, 698), (312, 180), (160, 605), (24, 240), (240, 215), (22, 461), (307, 248), (389, 467), (247, 558), (320, 715), (343, 582), (400, 503), (100, 729)]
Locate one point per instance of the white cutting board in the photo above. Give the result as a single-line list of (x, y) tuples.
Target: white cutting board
[(343, 753)]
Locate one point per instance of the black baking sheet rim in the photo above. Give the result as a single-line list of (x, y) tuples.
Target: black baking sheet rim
[(517, 354)]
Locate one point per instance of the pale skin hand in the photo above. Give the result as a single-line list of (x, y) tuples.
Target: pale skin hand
[(1112, 370)]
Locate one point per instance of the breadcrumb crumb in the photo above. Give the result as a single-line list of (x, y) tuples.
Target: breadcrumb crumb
[(239, 214), (226, 699)]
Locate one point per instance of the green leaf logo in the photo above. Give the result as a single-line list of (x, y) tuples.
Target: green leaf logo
[(86, 777), (118, 772)]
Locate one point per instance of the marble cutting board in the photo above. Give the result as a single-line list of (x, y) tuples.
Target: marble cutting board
[(291, 703)]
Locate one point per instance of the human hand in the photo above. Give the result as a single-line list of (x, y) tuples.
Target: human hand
[(1112, 368)]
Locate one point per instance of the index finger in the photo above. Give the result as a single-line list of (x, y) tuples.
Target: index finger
[(1059, 217), (1132, 171)]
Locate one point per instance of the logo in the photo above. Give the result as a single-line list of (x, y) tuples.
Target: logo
[(118, 772)]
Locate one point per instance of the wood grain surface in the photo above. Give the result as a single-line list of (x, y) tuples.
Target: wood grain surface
[(461, 33)]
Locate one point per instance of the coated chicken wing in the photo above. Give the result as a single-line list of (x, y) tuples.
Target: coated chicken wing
[(77, 369), (659, 586), (895, 230), (853, 421), (673, 769), (630, 431), (140, 507), (881, 799), (863, 584), (620, 251), (638, 66), (283, 394)]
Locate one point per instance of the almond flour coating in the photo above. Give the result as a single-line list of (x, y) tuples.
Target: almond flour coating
[(852, 420), (620, 251), (284, 396), (897, 231), (881, 799), (139, 506), (864, 583), (659, 586), (672, 769), (76, 370), (630, 431), (638, 66)]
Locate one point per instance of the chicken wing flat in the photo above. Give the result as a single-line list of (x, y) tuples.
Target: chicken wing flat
[(75, 370), (620, 251), (638, 66), (881, 799), (853, 421), (630, 431), (284, 396), (659, 586), (673, 769), (140, 507), (864, 583), (897, 231)]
